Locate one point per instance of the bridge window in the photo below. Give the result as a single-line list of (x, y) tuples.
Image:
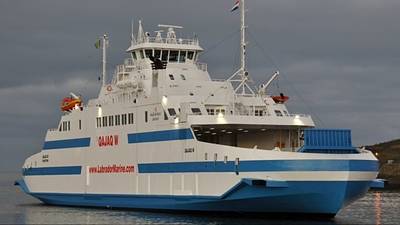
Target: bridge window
[(190, 55), (164, 55), (141, 54), (182, 56), (173, 56), (157, 54), (210, 111), (148, 52), (171, 77), (134, 55)]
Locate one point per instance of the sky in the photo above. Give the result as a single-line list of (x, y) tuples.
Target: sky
[(339, 59)]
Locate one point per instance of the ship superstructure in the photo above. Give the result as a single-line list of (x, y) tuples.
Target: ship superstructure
[(164, 135)]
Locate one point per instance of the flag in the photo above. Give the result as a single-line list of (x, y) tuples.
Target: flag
[(236, 6), (97, 44)]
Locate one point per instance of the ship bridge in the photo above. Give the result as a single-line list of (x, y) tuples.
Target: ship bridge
[(167, 49)]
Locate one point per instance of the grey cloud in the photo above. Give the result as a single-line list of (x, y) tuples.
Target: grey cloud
[(339, 59)]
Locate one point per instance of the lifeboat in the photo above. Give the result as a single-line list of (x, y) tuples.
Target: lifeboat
[(280, 99), (68, 103)]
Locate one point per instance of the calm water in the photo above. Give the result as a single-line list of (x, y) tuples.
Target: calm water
[(17, 208)]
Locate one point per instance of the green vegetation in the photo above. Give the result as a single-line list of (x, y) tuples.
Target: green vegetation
[(388, 154)]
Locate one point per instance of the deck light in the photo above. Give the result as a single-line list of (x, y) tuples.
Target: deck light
[(164, 100)]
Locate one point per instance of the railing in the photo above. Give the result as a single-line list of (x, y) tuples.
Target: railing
[(201, 66), (169, 41)]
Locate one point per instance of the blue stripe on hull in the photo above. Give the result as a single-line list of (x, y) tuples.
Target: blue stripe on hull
[(59, 170), (324, 197), (164, 135), (244, 166), (261, 165), (67, 143)]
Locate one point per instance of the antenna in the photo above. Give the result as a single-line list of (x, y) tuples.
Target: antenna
[(140, 34), (132, 35), (105, 44)]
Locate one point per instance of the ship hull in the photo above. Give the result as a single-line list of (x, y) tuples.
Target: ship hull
[(298, 197)]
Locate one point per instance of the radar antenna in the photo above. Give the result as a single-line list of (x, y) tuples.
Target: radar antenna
[(171, 36)]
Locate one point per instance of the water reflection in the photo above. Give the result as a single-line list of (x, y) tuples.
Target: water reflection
[(378, 207)]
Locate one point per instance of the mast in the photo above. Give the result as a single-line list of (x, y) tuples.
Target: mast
[(241, 76), (105, 40), (242, 38)]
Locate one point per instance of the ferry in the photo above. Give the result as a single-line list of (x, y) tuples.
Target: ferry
[(163, 135)]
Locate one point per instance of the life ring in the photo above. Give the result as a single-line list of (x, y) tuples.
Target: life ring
[(109, 88)]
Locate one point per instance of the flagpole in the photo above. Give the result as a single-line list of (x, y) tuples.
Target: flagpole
[(242, 39), (104, 59)]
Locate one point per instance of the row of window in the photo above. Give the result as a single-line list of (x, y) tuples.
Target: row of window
[(215, 111), (114, 120), (279, 113), (66, 125), (164, 55)]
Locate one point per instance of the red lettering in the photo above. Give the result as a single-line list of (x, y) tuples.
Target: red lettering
[(110, 140), (116, 139)]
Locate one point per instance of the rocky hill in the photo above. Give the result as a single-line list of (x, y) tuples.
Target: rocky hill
[(388, 154)]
